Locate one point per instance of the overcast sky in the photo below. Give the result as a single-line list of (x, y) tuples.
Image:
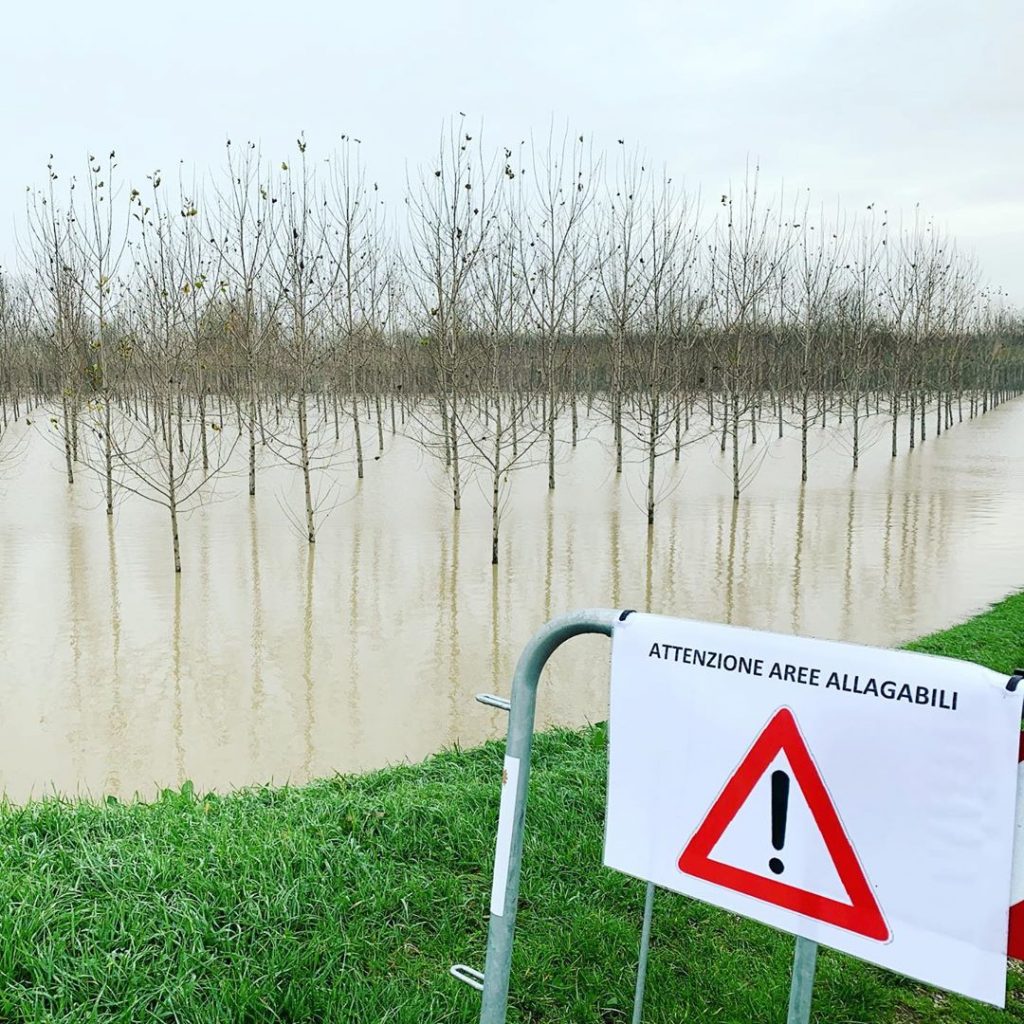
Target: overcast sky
[(889, 101)]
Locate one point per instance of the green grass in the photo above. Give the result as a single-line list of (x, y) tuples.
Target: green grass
[(348, 899)]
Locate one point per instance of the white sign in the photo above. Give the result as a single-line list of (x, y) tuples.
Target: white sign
[(861, 798)]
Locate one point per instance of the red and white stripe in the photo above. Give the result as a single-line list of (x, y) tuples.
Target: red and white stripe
[(1015, 942)]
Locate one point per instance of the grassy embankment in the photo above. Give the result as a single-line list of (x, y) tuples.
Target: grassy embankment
[(348, 899)]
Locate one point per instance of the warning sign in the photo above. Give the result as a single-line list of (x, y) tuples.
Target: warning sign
[(781, 737), (861, 798)]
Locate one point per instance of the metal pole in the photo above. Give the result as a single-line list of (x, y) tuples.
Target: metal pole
[(645, 943), (805, 959), (502, 925)]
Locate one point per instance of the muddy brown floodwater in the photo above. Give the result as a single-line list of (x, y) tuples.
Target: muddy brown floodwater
[(269, 661)]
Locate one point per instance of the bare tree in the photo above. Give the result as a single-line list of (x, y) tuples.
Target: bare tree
[(624, 235), (153, 460), (307, 273), (58, 300), (860, 322), (501, 434), (819, 259), (450, 216), (100, 238), (748, 250), (553, 261), (668, 324), (361, 307), (15, 329), (243, 228)]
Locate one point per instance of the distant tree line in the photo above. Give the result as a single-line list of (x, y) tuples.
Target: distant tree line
[(511, 296)]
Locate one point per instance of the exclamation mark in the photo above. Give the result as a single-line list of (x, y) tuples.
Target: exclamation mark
[(780, 805)]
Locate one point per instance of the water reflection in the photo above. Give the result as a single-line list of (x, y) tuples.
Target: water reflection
[(118, 722), (308, 714), (75, 583), (257, 701), (847, 613), (177, 719), (730, 564), (269, 660)]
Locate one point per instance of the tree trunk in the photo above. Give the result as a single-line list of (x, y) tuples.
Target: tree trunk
[(108, 457), (678, 438), (895, 419), (803, 435), (735, 446), (67, 442), (355, 426), (443, 406), (202, 430), (172, 500), (304, 449), (252, 455), (515, 425), (252, 430), (651, 457), (495, 518), (456, 483), (551, 436), (618, 432), (854, 404), (617, 400)]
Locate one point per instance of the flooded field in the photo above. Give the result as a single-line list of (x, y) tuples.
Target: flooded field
[(268, 660)]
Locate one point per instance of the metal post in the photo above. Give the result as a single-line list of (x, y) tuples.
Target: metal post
[(645, 944), (502, 926), (805, 959)]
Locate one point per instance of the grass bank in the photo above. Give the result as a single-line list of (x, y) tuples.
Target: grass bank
[(348, 899)]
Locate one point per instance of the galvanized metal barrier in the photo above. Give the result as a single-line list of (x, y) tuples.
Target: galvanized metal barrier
[(493, 983)]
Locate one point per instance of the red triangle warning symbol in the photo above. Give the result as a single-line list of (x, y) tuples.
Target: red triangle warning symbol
[(862, 914)]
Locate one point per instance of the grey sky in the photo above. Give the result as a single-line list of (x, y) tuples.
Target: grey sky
[(896, 102)]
